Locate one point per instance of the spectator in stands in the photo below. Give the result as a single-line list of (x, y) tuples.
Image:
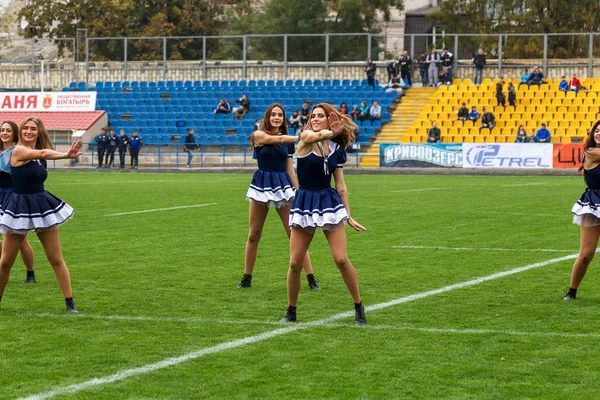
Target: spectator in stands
[(364, 111), (355, 113), (392, 69), (102, 143), (535, 78), (521, 135), (370, 70), (500, 97), (433, 59), (405, 68), (395, 86), (542, 135), (9, 136), (294, 122), (257, 124), (190, 146), (223, 107), (463, 113), (113, 143), (304, 114), (488, 120), (433, 135), (524, 78), (563, 85), (479, 62), (473, 115), (445, 77), (575, 84), (244, 107), (135, 145), (343, 108), (123, 143), (422, 61), (512, 94), (447, 61), (375, 111)]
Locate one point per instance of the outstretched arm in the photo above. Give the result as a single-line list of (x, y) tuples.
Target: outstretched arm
[(23, 154), (261, 138), (308, 136)]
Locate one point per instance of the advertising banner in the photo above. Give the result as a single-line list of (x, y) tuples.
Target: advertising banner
[(47, 101), (567, 155), (420, 155), (514, 155)]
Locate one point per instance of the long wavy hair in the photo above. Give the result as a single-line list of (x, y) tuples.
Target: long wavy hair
[(43, 140), (266, 122), (15, 132), (347, 135), (590, 142)]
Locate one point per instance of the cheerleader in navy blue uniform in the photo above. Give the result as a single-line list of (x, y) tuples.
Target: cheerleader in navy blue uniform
[(30, 207), (273, 185), (321, 155), (587, 211), (9, 135)]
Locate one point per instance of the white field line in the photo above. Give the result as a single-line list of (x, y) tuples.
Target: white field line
[(110, 182), (481, 249), (465, 331), (169, 362), (417, 190), (524, 184), (160, 209)]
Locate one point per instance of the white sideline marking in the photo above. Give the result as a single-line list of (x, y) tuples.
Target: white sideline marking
[(160, 209), (104, 182), (481, 249), (523, 184), (417, 190), (277, 332)]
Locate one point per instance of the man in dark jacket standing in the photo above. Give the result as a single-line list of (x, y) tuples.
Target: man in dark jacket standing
[(135, 145), (370, 69), (190, 146), (123, 143), (447, 60), (102, 143), (405, 67), (479, 62)]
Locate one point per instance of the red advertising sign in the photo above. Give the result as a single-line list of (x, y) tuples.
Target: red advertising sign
[(567, 155)]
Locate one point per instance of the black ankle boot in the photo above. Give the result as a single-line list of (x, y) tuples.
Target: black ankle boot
[(290, 316), (360, 317), (313, 283), (571, 294), (246, 282), (30, 277), (71, 306)]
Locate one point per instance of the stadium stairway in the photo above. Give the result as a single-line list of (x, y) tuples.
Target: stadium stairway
[(395, 131)]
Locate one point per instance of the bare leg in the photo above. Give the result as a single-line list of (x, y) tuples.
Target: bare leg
[(588, 243), (284, 214), (10, 249), (27, 255), (299, 242), (256, 221), (337, 243), (51, 241)]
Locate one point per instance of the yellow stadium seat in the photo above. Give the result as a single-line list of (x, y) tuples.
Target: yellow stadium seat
[(578, 101), (570, 95), (570, 116), (524, 102), (562, 110), (417, 123)]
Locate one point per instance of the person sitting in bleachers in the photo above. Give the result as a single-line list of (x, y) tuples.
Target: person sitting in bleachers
[(392, 69), (512, 94), (257, 124), (434, 134), (364, 111), (445, 77), (473, 115), (294, 121), (524, 78), (304, 114), (536, 77), (243, 109), (395, 85), (575, 84), (542, 135), (500, 97), (563, 86), (355, 113), (488, 120), (375, 111), (222, 108), (521, 135), (343, 108), (463, 113)]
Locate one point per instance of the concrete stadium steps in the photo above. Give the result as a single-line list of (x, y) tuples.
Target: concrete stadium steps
[(395, 131)]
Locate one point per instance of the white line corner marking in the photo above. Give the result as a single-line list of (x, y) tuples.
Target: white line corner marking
[(160, 209), (277, 332)]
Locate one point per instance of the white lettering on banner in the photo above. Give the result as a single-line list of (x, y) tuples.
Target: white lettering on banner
[(48, 101), (514, 155), (447, 157)]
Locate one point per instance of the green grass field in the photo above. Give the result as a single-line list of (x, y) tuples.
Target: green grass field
[(157, 285)]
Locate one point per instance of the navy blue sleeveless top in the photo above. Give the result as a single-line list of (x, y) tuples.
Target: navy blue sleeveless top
[(5, 180), (29, 178), (311, 171), (273, 158)]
